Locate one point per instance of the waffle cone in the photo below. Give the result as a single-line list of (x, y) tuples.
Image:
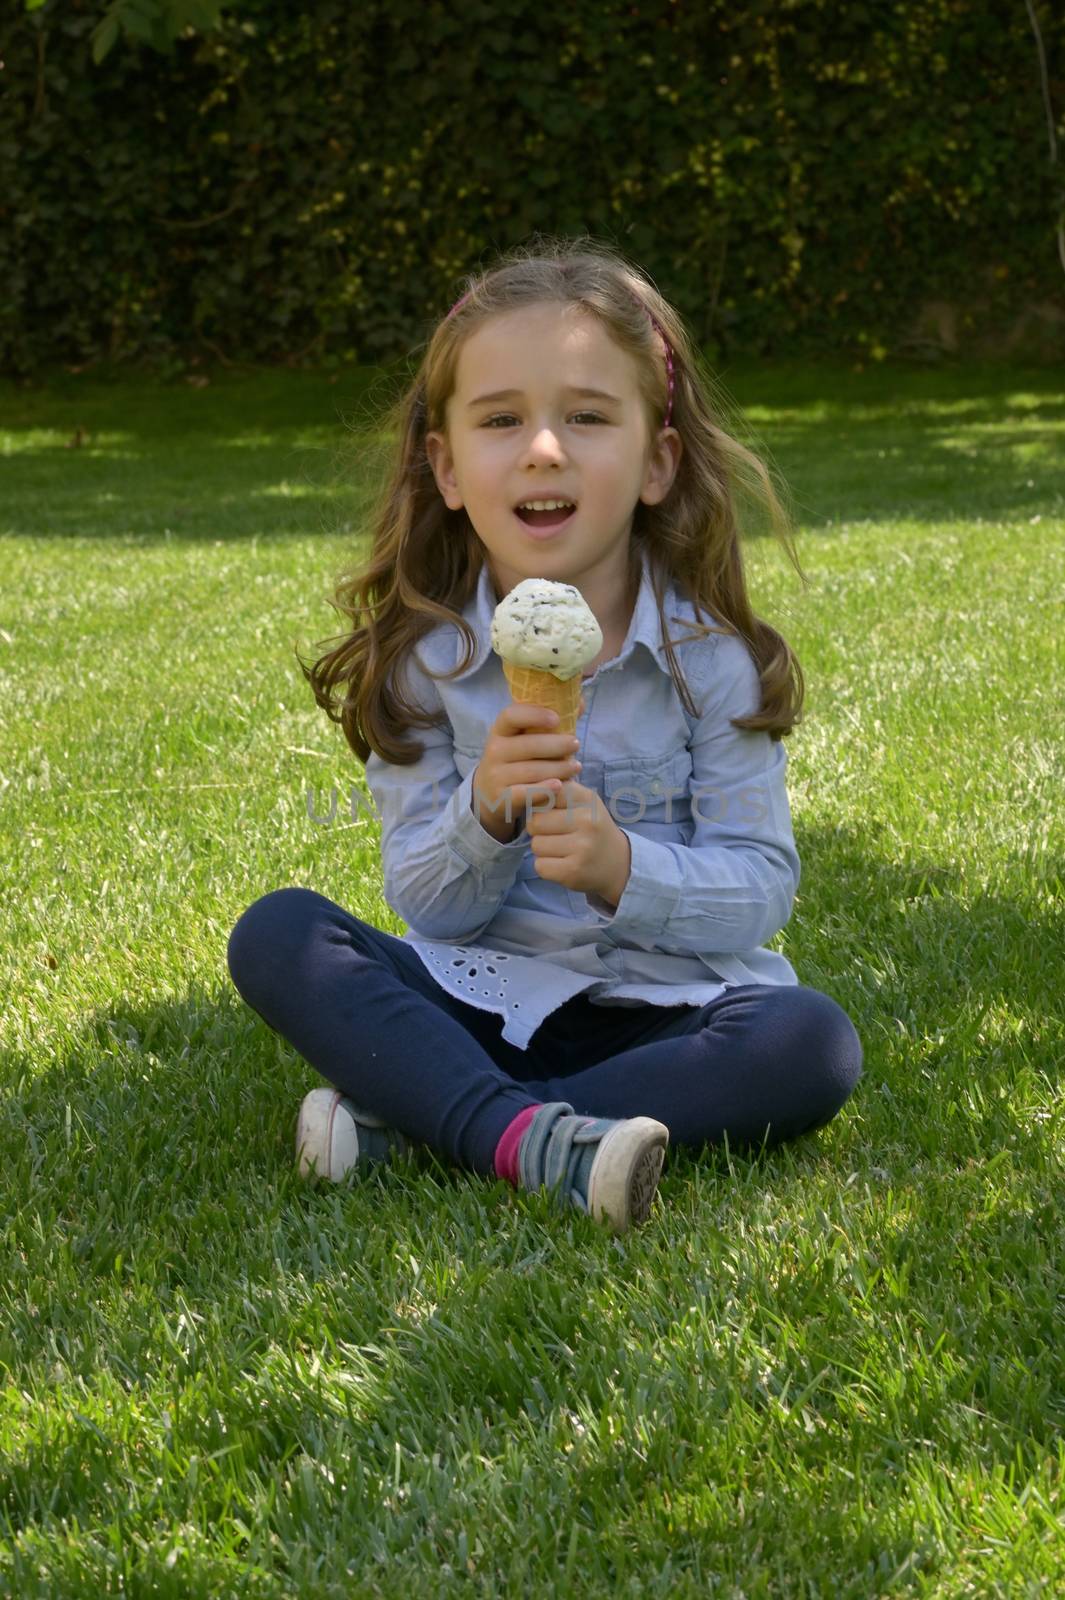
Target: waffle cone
[(530, 687)]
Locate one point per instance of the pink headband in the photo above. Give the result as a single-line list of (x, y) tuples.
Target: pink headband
[(654, 324)]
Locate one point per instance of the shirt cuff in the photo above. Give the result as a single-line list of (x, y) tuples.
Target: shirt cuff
[(649, 897), (474, 844)]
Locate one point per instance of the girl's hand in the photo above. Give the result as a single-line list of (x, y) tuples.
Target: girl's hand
[(524, 755), (578, 844)]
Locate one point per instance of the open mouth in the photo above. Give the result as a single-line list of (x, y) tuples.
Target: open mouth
[(550, 518)]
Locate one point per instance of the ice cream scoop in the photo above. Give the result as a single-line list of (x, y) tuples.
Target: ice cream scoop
[(545, 633)]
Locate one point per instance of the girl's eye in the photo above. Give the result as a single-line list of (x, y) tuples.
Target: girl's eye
[(592, 416)]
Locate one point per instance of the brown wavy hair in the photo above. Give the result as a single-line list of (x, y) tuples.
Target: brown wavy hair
[(425, 559)]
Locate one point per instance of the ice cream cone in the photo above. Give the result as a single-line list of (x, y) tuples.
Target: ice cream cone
[(545, 634), (531, 687)]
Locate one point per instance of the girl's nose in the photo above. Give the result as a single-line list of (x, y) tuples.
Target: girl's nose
[(545, 445)]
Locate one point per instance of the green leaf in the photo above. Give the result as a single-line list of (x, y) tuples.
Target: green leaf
[(138, 25), (198, 13), (104, 36)]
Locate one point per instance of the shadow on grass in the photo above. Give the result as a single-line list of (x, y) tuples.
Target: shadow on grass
[(954, 992), (272, 454)]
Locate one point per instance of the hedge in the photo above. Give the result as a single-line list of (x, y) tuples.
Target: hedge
[(308, 182)]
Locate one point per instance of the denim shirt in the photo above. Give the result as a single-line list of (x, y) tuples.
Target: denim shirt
[(704, 805)]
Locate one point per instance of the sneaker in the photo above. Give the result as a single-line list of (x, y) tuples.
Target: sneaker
[(332, 1136), (609, 1169)]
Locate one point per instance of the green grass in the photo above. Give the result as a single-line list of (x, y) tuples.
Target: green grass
[(831, 1370)]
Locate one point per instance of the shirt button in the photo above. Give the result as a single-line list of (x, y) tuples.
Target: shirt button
[(656, 787)]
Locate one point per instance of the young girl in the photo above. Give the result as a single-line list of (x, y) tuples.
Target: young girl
[(584, 976)]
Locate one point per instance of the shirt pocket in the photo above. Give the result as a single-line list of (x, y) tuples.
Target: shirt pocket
[(651, 790)]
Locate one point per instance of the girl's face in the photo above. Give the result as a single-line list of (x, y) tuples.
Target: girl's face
[(520, 428)]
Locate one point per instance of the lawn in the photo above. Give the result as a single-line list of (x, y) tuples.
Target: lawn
[(835, 1369)]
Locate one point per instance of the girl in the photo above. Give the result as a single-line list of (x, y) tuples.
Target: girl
[(584, 976)]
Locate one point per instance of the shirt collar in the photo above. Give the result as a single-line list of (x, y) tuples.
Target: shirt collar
[(644, 626)]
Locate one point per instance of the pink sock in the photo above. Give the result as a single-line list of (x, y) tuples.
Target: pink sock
[(506, 1156)]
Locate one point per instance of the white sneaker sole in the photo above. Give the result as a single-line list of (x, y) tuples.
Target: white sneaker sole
[(625, 1173)]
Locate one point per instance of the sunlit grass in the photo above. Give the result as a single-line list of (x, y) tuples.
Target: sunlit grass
[(833, 1370)]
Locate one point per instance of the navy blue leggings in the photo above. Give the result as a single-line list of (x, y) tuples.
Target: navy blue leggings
[(762, 1063)]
